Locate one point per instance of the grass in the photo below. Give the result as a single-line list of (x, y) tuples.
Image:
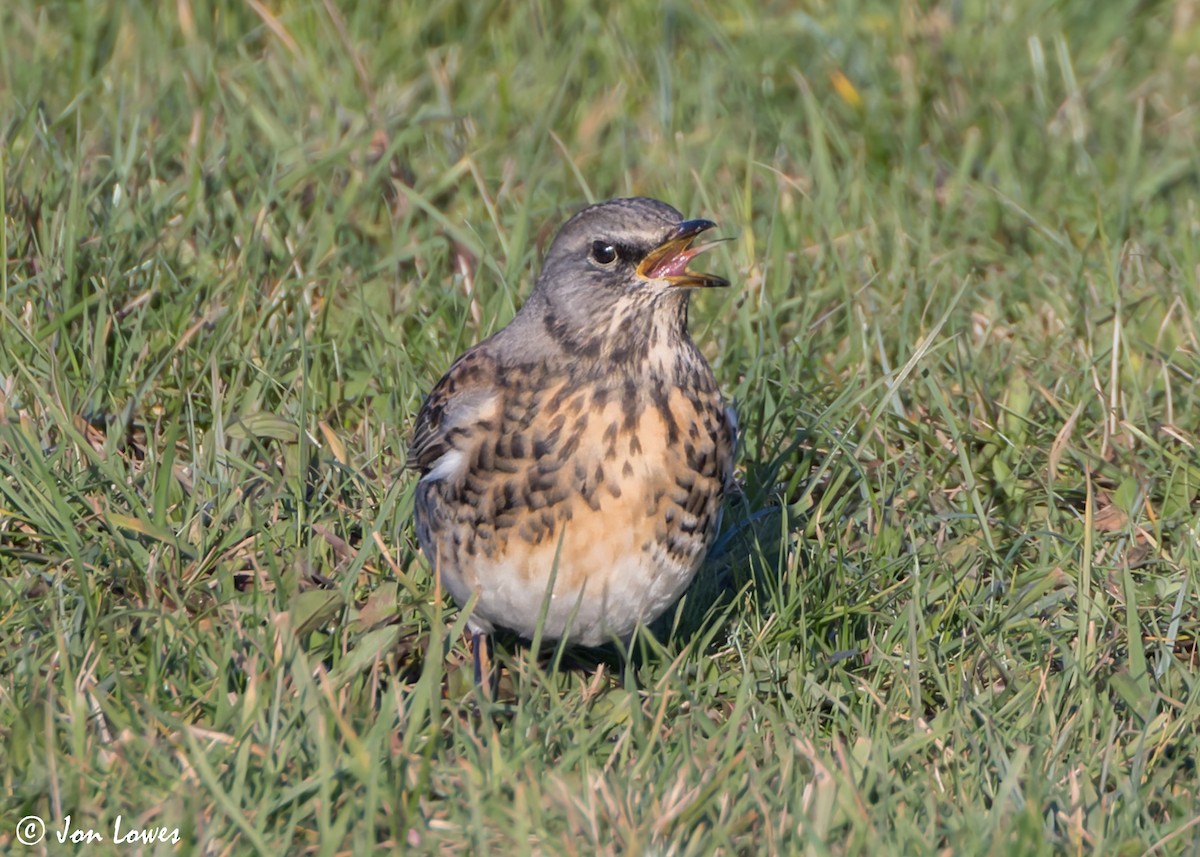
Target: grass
[(955, 608)]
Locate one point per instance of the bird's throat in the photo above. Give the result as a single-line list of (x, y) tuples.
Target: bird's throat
[(636, 330)]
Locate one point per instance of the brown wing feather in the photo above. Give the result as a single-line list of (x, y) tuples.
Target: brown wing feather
[(457, 405)]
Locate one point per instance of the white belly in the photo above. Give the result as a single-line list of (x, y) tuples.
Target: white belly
[(609, 586)]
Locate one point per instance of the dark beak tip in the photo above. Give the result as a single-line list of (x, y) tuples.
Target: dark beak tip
[(690, 228)]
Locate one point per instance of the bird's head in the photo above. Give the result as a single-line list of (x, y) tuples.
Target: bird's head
[(616, 278)]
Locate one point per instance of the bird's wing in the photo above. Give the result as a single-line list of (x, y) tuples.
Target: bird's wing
[(466, 402), (735, 443)]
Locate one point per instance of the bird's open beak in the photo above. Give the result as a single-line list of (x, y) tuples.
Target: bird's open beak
[(668, 261)]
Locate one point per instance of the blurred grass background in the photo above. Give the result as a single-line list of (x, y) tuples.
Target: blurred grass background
[(955, 609)]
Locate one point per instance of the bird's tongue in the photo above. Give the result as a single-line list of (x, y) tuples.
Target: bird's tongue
[(673, 263)]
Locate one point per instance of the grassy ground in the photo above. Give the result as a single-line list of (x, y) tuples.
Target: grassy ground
[(955, 609)]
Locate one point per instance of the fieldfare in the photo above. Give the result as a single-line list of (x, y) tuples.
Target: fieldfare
[(572, 466)]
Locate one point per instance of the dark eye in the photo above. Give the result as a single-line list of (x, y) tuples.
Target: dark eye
[(603, 253)]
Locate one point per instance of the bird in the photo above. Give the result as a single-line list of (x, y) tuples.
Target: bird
[(572, 467)]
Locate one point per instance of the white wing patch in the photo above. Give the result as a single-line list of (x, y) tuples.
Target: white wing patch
[(460, 435), (450, 466)]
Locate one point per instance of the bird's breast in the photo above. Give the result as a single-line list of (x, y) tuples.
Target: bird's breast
[(614, 487)]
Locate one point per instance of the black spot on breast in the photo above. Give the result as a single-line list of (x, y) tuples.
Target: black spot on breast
[(474, 485), (662, 403), (629, 403), (507, 465), (680, 547), (610, 442), (505, 520), (570, 445), (587, 488), (545, 444), (568, 449), (699, 501), (530, 531), (700, 458), (540, 480), (485, 457)]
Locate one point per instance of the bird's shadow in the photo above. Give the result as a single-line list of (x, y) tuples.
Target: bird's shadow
[(762, 526), (751, 546)]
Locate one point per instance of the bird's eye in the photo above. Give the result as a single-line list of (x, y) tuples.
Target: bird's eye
[(603, 253)]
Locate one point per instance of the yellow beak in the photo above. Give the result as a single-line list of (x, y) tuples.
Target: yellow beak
[(668, 261)]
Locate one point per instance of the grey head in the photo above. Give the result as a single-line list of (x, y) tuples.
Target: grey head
[(615, 281)]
